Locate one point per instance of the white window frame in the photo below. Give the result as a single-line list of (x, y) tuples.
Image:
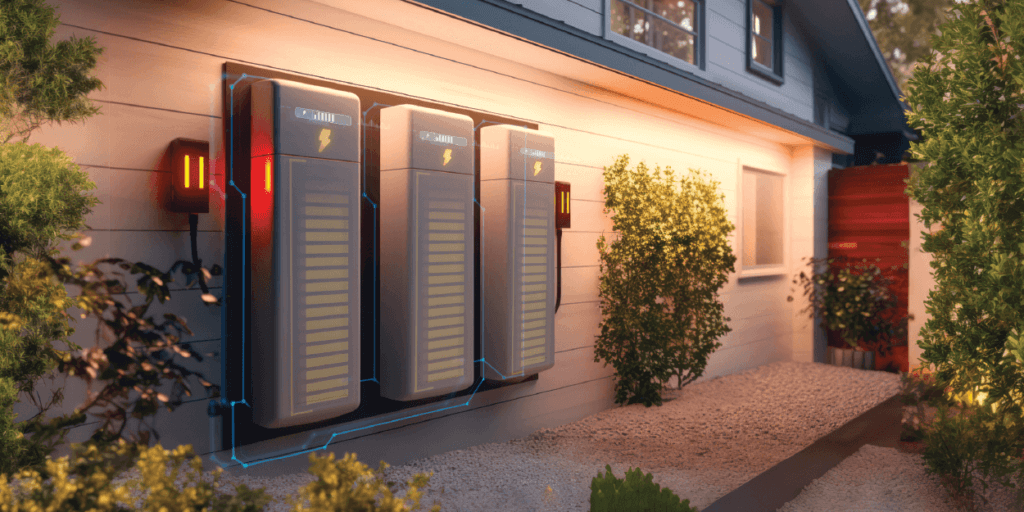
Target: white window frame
[(650, 51), (761, 270)]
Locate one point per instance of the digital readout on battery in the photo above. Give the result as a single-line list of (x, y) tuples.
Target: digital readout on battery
[(323, 117), (536, 153), (442, 139)]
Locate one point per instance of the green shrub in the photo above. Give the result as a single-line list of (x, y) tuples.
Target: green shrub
[(965, 100), (86, 483), (660, 279), (344, 485), (637, 493)]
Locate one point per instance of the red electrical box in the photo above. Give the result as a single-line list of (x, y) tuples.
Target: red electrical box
[(190, 176), (561, 204)]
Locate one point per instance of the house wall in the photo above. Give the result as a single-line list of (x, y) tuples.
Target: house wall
[(922, 280), (726, 52), (162, 68)]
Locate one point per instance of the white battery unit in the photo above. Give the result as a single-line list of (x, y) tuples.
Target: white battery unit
[(304, 189), (426, 252), (517, 194)]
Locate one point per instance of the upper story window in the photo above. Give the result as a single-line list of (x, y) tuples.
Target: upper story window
[(667, 30), (764, 39)]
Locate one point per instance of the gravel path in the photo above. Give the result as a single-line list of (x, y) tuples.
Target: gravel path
[(705, 441)]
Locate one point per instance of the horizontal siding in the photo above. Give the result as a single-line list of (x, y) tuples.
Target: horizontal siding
[(585, 15), (180, 50), (727, 61)]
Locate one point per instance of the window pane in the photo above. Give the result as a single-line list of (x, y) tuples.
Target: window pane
[(769, 219), (749, 219), (673, 41), (629, 21), (762, 219), (761, 51), (620, 18), (680, 12), (762, 20)]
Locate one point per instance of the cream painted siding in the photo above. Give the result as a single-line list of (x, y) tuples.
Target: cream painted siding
[(162, 68)]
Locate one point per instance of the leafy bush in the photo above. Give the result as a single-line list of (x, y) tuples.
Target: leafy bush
[(637, 493), (86, 483), (660, 279), (855, 300), (965, 100), (344, 485), (42, 199)]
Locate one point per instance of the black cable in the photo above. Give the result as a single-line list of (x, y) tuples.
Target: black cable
[(193, 222), (558, 297)]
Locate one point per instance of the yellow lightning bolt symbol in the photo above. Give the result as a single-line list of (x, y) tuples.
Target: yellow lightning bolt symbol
[(447, 156), (536, 168), (325, 139)]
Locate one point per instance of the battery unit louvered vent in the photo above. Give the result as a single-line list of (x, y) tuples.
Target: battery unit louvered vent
[(426, 252), (304, 187), (517, 191)]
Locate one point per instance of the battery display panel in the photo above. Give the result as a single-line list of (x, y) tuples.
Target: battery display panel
[(517, 195), (426, 276), (305, 253)]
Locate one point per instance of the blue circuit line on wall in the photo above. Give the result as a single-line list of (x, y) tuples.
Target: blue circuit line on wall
[(312, 435)]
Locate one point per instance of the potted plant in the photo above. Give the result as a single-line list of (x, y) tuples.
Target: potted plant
[(855, 301)]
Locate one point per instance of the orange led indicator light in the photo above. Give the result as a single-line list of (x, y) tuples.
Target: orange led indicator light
[(536, 168), (447, 157), (188, 173), (266, 184)]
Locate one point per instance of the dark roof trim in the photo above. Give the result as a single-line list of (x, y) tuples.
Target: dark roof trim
[(862, 21), (535, 28)]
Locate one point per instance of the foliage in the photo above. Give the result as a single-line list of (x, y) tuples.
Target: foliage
[(86, 483), (141, 356), (659, 280), (902, 29), (637, 492), (855, 300), (966, 101), (956, 446), (41, 82), (42, 198), (344, 485), (919, 390)]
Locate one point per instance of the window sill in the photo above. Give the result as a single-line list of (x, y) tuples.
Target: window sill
[(762, 272), (764, 72)]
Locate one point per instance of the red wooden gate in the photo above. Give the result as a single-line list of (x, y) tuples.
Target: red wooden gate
[(869, 217)]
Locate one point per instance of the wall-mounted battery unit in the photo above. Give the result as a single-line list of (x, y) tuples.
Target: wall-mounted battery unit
[(305, 253), (426, 252), (517, 188)]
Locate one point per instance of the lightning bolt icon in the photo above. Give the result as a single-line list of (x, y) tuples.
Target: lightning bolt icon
[(325, 139), (447, 156), (536, 168)]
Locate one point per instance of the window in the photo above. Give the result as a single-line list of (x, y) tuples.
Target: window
[(762, 217), (764, 39), (668, 30)]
